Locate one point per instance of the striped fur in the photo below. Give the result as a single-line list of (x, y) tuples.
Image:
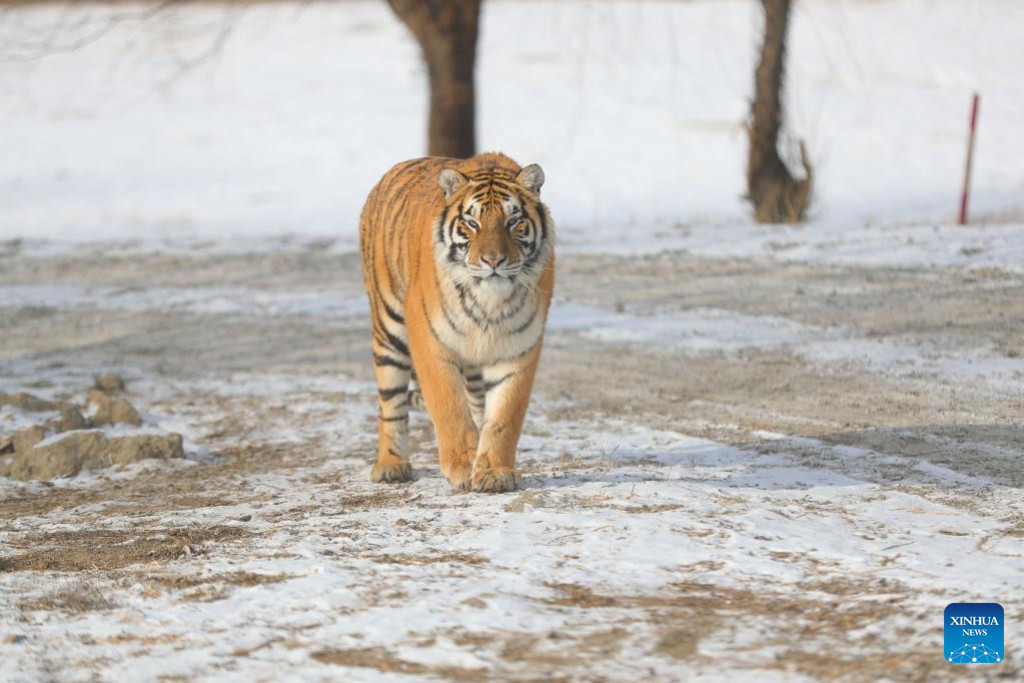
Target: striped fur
[(459, 267)]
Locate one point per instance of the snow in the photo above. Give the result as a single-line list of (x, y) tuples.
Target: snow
[(203, 300), (727, 518), (231, 126)]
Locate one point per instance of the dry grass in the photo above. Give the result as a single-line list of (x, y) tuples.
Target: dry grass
[(678, 642), (71, 551), (238, 578), (437, 558), (76, 598), (386, 662), (827, 609)]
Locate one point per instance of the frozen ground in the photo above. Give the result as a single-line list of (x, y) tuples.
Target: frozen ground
[(753, 469), (754, 453)]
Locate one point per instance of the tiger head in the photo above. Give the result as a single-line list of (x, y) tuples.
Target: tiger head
[(494, 233)]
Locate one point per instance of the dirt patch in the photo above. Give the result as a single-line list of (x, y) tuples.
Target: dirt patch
[(892, 667), (575, 595), (135, 500), (386, 662), (541, 653), (806, 613), (209, 587), (440, 558), (76, 597), (648, 509), (678, 643), (533, 499), (107, 550), (376, 501)]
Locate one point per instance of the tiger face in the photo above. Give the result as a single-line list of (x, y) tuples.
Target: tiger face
[(493, 232)]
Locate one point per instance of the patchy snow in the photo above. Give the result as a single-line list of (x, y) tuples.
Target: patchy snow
[(731, 532), (14, 419), (207, 300), (711, 330), (696, 329), (609, 508)]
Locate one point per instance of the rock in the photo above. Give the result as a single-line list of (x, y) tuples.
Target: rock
[(97, 401), (125, 449), (27, 438), (123, 412), (70, 419), (27, 402), (106, 410), (68, 454), (108, 381)]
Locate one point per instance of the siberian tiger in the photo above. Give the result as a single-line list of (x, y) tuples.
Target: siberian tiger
[(458, 262)]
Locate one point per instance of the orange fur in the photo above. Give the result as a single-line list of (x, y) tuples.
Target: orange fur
[(459, 267)]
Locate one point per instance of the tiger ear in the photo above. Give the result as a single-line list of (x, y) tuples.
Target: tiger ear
[(531, 177), (450, 181)]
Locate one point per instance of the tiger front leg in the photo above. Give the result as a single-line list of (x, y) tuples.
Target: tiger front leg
[(392, 365), (443, 387), (508, 386)]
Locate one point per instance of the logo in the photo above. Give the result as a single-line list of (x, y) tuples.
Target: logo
[(974, 633)]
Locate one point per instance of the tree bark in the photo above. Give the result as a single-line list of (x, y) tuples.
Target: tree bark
[(776, 195), (446, 31)]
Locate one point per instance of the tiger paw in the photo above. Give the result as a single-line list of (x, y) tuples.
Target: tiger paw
[(391, 471), (459, 471), (496, 479)]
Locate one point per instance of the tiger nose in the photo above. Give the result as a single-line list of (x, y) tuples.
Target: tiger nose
[(493, 260)]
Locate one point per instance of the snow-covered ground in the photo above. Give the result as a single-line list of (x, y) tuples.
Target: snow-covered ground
[(222, 122), (721, 481), (754, 452)]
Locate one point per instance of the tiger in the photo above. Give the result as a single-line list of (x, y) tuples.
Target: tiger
[(458, 262)]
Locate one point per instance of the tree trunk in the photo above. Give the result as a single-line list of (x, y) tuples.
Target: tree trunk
[(446, 31), (776, 195)]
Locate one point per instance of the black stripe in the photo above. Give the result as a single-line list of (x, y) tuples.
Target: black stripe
[(490, 385), (381, 361), (453, 253), (525, 326), (524, 353), (388, 394), (398, 173), (396, 418), (430, 325), (440, 224), (465, 309), (400, 232), (448, 317), (396, 343), (392, 313)]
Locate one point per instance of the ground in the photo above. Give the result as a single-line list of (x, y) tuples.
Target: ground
[(733, 467), (753, 452)]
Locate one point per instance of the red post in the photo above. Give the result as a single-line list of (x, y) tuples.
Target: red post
[(970, 160)]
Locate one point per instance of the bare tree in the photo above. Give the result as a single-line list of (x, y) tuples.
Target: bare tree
[(446, 31), (777, 196)]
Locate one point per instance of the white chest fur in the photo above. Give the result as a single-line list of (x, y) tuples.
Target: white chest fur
[(489, 323)]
